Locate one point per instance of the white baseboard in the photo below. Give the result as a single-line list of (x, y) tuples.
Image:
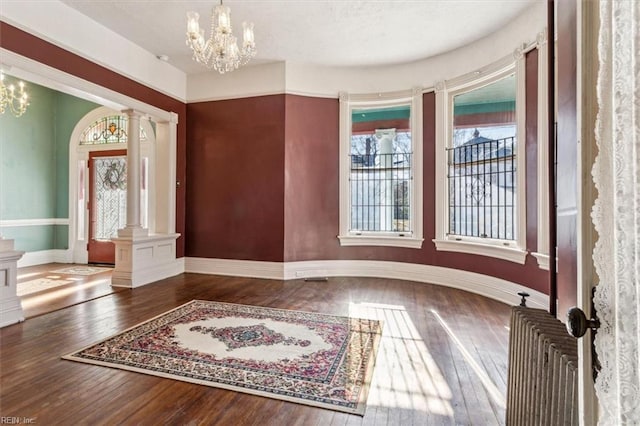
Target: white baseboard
[(492, 287), (41, 257), (241, 268)]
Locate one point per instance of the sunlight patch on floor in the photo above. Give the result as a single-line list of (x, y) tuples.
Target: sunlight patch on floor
[(406, 375), (488, 384), (25, 275), (39, 284), (31, 301)]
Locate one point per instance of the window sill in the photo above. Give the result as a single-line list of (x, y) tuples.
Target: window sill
[(512, 254), (377, 240), (543, 260)]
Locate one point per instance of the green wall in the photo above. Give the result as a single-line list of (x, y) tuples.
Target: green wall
[(34, 166)]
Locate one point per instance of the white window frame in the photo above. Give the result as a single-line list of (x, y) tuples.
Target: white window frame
[(511, 250), (542, 252), (349, 102)]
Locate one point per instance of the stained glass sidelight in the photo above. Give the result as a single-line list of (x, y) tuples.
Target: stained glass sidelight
[(110, 183)]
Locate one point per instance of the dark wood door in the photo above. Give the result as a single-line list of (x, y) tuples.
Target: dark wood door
[(567, 157), (107, 202)]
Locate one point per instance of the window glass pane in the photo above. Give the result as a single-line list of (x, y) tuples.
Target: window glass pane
[(380, 172), (482, 162)]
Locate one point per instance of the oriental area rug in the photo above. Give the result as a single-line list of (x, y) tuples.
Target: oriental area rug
[(309, 358), (81, 270)]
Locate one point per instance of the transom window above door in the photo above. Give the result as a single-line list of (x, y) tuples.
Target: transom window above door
[(108, 130)]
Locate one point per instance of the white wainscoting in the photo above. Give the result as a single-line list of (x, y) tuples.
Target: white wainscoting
[(145, 259), (492, 287)]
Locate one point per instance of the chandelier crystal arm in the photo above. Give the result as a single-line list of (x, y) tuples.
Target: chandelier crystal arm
[(18, 102), (220, 51)]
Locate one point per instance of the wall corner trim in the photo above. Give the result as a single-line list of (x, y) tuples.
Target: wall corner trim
[(491, 287)]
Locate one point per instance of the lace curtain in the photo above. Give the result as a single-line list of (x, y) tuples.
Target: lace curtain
[(616, 213)]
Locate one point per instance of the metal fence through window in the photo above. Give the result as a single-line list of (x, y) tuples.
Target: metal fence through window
[(482, 189), (380, 192)]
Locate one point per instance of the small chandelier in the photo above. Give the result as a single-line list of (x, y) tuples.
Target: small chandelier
[(220, 51), (17, 103)]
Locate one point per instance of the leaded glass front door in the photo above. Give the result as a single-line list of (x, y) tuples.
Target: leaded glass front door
[(108, 202)]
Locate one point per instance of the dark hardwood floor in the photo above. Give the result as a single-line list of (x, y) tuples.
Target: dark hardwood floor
[(442, 359)]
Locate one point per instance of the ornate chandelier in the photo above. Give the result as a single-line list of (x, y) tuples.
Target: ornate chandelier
[(17, 103), (220, 51)]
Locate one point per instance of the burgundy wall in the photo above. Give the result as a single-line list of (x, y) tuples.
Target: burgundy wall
[(311, 179), (567, 149), (32, 47), (235, 197)]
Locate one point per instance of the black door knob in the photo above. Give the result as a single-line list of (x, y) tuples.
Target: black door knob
[(578, 324)]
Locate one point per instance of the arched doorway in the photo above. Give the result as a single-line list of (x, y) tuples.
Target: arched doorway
[(97, 183)]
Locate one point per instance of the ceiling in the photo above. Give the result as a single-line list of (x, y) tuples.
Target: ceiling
[(324, 32)]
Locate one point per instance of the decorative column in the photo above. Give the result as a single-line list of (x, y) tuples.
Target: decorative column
[(133, 228), (165, 174), (386, 138), (10, 306), (142, 258)]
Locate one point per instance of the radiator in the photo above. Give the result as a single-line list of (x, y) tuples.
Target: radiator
[(542, 386)]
